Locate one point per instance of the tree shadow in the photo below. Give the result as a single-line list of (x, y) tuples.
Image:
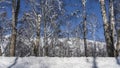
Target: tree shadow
[(87, 60), (15, 61), (94, 63), (117, 60)]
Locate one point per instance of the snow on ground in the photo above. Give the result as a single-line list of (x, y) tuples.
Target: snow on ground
[(50, 62)]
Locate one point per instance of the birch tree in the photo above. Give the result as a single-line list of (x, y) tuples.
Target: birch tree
[(107, 32), (37, 20), (112, 25), (84, 26), (15, 12), (51, 9), (117, 26)]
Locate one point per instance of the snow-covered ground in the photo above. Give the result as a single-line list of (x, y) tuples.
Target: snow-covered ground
[(50, 62)]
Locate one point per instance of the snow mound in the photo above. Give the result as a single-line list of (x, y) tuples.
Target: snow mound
[(50, 62)]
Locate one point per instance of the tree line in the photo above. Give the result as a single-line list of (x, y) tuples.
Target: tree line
[(37, 29)]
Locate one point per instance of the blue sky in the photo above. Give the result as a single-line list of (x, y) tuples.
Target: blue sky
[(92, 6)]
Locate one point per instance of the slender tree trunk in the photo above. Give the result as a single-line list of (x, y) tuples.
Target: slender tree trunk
[(111, 17), (54, 37), (117, 29), (0, 51), (118, 44), (45, 47), (84, 27), (44, 11), (84, 36), (45, 39), (112, 23), (37, 46), (15, 11), (108, 38), (1, 44)]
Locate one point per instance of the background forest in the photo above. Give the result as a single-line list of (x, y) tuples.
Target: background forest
[(60, 28)]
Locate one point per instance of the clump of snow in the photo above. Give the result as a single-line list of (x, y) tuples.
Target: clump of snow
[(69, 42), (50, 62)]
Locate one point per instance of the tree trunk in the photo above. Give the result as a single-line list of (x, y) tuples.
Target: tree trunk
[(0, 51), (108, 38), (84, 27), (1, 42), (118, 44), (15, 11), (54, 36), (37, 46), (45, 47), (112, 22)]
